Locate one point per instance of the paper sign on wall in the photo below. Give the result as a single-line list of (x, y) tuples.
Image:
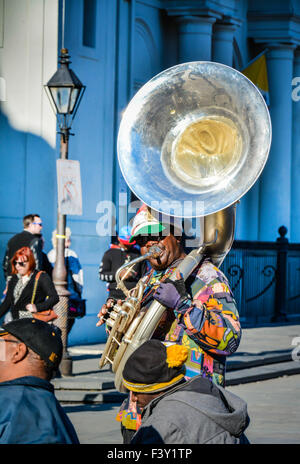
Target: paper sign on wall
[(69, 187)]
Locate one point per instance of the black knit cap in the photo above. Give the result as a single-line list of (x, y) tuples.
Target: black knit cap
[(154, 367), (40, 337)]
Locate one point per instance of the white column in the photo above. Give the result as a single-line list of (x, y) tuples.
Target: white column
[(295, 172), (195, 38), (275, 181), (222, 48)]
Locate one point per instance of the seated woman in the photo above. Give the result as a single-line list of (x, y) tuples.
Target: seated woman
[(21, 287)]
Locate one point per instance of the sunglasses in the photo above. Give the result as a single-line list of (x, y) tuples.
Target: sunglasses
[(142, 240), (21, 263), (11, 341), (38, 224)]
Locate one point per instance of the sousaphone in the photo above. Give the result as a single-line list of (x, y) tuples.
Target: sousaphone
[(191, 143)]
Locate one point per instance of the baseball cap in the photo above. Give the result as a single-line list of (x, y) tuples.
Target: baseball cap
[(145, 223), (148, 221), (124, 235), (39, 336)]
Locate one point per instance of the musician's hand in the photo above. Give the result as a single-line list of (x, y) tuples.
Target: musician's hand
[(105, 310), (128, 275), (170, 293), (31, 308)]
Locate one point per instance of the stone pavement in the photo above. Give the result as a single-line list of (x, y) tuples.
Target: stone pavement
[(265, 353)]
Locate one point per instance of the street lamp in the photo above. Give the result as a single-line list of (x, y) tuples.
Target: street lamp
[(65, 91)]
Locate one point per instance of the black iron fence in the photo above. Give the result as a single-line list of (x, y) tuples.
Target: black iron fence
[(265, 279)]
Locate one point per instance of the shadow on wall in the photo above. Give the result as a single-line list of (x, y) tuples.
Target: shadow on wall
[(27, 182), (28, 185)]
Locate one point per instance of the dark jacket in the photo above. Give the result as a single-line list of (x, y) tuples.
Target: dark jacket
[(30, 413), (23, 239), (45, 288), (112, 260), (195, 412)]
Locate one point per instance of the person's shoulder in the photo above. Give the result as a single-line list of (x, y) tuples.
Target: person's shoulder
[(43, 275), (112, 253), (52, 255), (12, 281), (207, 271), (163, 425), (71, 253), (12, 393), (28, 381), (19, 236), (36, 239), (25, 233), (179, 399), (11, 398), (114, 249), (207, 264), (23, 396)]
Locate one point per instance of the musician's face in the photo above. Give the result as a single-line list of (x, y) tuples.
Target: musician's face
[(142, 399), (170, 246)]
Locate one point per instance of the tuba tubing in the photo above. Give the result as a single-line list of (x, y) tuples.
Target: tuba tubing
[(120, 284), (131, 303)]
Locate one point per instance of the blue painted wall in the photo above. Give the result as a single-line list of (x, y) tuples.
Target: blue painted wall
[(28, 183)]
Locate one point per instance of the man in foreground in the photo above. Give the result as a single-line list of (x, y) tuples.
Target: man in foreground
[(176, 411), (30, 351)]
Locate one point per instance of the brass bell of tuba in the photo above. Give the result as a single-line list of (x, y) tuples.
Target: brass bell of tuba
[(191, 143)]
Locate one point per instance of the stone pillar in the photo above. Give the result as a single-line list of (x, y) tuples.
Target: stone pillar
[(295, 184), (222, 48), (275, 181), (195, 38)]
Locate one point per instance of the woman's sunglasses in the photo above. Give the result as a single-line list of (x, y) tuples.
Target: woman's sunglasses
[(21, 263)]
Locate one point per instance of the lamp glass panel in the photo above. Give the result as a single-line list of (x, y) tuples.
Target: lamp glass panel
[(73, 99), (61, 98)]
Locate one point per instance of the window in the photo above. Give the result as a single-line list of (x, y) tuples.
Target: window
[(89, 23)]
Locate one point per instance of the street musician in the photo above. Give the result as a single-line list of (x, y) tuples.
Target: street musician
[(200, 314)]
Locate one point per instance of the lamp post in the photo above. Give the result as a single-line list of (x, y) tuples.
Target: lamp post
[(65, 91)]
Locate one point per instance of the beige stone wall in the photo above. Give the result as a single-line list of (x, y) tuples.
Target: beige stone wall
[(28, 58)]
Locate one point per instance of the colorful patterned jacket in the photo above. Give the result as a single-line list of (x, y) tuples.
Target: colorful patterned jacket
[(207, 322)]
